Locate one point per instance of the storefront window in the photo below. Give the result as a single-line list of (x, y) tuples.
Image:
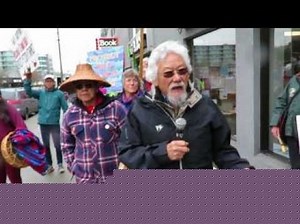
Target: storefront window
[(286, 53), (214, 72)]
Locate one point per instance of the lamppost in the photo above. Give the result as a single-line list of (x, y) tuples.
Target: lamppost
[(141, 52), (59, 52)]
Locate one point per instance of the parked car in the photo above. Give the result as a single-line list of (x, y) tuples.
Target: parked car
[(17, 97)]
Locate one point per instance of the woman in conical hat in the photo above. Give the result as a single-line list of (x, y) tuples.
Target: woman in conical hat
[(91, 127)]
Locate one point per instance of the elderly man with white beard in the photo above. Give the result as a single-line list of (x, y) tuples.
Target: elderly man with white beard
[(174, 126)]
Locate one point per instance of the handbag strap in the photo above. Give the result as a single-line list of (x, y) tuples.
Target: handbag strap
[(289, 103)]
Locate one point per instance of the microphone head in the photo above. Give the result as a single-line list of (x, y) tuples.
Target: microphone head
[(180, 123)]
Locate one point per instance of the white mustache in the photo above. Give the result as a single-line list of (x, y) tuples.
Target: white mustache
[(177, 85)]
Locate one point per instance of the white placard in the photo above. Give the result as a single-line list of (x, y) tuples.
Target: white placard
[(298, 128)]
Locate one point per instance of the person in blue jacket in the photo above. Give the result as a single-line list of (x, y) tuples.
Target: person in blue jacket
[(51, 101)]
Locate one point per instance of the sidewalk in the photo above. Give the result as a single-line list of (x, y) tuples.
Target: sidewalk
[(266, 160), (32, 177)]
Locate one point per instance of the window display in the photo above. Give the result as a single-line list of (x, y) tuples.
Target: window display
[(215, 70)]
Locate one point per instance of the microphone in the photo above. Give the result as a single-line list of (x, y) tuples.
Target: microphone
[(180, 124)]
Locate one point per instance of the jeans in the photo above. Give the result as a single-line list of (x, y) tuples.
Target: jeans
[(54, 130)]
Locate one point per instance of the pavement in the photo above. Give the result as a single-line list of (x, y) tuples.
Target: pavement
[(266, 160)]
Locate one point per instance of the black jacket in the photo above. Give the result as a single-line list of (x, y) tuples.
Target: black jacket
[(149, 128)]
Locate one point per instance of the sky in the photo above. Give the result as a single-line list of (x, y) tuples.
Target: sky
[(74, 44)]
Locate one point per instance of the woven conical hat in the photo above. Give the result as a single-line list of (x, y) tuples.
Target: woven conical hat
[(83, 72)]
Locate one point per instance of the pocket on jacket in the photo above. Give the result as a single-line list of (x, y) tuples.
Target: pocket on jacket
[(80, 169), (78, 131), (108, 132)]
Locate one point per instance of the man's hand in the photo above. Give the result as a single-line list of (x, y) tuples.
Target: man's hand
[(176, 149)]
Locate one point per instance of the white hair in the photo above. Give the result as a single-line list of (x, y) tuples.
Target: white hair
[(160, 53), (131, 73)]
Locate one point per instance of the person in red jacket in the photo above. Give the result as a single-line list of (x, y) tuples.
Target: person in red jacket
[(10, 119)]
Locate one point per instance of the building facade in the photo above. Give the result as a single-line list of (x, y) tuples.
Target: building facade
[(45, 64), (242, 69), (9, 71), (7, 60)]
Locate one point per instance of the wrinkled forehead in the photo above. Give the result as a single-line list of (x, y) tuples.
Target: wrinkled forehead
[(131, 76), (171, 61)]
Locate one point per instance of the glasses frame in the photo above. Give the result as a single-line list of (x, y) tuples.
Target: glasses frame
[(181, 72), (79, 86)]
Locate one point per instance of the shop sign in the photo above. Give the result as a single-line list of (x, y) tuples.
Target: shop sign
[(134, 44), (106, 42)]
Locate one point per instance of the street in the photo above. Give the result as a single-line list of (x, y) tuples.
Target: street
[(31, 176)]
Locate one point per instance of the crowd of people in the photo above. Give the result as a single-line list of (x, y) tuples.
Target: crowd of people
[(137, 128)]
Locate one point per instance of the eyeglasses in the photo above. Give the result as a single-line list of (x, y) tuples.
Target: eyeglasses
[(181, 72), (84, 85)]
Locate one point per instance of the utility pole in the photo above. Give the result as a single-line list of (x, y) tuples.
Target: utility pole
[(141, 52), (59, 52)]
